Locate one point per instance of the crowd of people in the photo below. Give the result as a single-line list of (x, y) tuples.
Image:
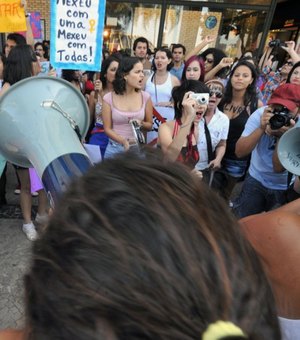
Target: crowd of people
[(148, 112)]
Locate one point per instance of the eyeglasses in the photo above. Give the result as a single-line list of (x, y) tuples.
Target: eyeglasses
[(218, 94), (289, 63), (210, 61)]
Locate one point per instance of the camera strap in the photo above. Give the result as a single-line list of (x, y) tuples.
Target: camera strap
[(210, 153)]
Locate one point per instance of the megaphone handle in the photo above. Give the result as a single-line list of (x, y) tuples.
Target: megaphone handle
[(60, 172)]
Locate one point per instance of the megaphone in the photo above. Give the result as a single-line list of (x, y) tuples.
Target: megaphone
[(289, 149), (40, 121)]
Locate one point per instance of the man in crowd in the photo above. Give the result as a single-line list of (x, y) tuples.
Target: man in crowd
[(178, 54), (263, 188), (140, 50)]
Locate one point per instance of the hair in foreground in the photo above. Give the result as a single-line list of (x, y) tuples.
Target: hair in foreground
[(140, 249)]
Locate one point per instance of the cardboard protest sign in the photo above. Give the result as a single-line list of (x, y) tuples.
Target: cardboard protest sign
[(76, 34), (35, 23), (12, 16)]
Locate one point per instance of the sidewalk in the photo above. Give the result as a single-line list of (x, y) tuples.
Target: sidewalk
[(14, 258)]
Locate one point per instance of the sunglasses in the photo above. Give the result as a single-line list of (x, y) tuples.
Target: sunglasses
[(289, 63), (218, 94), (210, 61)]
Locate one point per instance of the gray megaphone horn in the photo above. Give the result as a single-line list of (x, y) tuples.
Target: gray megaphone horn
[(289, 149), (40, 121)]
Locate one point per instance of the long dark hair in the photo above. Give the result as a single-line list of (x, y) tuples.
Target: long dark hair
[(104, 67), (288, 80), (178, 93), (143, 249), (125, 66), (18, 64), (218, 56), (251, 91)]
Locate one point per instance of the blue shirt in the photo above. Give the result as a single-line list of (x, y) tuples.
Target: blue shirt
[(177, 72), (261, 166)]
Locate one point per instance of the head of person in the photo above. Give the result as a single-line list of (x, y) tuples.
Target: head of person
[(39, 49), (285, 102), (178, 93), (71, 75), (242, 78), (140, 47), (129, 73), (12, 40), (216, 90), (286, 67), (178, 52), (162, 59), (135, 245), (20, 64), (108, 71), (194, 69), (2, 63), (212, 57), (294, 75)]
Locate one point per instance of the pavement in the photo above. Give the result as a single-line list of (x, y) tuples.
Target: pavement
[(14, 257)]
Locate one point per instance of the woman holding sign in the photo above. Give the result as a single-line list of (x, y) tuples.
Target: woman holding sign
[(125, 104)]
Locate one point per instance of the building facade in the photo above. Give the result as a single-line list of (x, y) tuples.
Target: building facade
[(239, 25)]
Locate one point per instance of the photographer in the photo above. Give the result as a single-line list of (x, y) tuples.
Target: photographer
[(272, 79), (263, 188)]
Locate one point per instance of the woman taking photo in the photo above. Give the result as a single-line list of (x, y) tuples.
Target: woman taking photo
[(127, 102), (239, 101), (159, 85), (178, 138), (103, 86)]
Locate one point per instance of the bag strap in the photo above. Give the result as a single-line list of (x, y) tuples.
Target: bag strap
[(208, 142)]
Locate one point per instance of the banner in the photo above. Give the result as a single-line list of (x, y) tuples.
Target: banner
[(35, 23), (76, 34), (12, 16)]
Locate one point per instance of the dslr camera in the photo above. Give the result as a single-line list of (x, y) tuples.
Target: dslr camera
[(281, 118), (200, 98), (276, 43)]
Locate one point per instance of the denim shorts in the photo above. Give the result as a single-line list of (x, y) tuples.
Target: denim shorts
[(235, 168), (113, 148)]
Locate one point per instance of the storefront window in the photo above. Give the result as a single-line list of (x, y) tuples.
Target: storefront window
[(236, 30), (127, 21)]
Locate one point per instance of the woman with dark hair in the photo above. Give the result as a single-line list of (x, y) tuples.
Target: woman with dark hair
[(193, 69), (121, 260), (40, 51), (178, 137), (294, 74), (239, 101), (73, 77), (103, 86), (20, 64), (216, 63), (159, 85), (125, 104)]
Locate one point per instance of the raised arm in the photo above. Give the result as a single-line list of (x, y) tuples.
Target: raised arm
[(196, 50)]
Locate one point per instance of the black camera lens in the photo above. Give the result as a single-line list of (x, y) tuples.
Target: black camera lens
[(279, 120)]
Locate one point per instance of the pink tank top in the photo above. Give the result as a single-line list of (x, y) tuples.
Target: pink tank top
[(120, 119)]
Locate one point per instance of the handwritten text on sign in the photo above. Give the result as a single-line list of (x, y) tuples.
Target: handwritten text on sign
[(76, 33), (12, 16)]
